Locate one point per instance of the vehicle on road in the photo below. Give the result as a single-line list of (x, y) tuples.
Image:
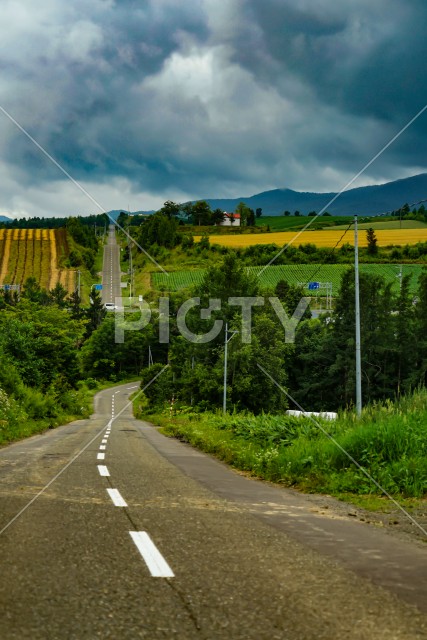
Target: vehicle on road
[(110, 306)]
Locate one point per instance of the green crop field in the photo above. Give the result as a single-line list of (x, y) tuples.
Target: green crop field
[(285, 223), (386, 224), (294, 274)]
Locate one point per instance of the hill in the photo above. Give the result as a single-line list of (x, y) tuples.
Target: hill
[(5, 219), (372, 200)]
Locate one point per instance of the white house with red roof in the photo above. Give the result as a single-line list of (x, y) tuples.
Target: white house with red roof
[(230, 220)]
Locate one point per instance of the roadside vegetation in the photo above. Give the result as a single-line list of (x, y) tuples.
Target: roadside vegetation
[(389, 442), (42, 330), (55, 351)]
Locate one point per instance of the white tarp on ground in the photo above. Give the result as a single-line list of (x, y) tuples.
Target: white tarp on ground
[(326, 415)]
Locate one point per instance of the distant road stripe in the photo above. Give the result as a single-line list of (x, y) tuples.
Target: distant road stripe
[(116, 498), (102, 447), (154, 560), (103, 471), (104, 441), (100, 456)]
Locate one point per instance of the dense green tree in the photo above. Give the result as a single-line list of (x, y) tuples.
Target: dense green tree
[(419, 373), (58, 295), (217, 216), (404, 347), (42, 342), (103, 357), (250, 220), (95, 313), (159, 230), (201, 213), (290, 296), (372, 242), (245, 214), (170, 209), (75, 306)]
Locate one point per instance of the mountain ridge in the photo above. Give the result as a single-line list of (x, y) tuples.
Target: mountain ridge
[(368, 200)]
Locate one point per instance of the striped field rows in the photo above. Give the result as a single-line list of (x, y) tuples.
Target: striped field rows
[(300, 274), (34, 253)]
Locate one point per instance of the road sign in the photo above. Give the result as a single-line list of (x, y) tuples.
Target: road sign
[(313, 286), (97, 287)]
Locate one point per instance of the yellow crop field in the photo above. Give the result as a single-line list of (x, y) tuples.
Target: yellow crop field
[(325, 238), (34, 253)]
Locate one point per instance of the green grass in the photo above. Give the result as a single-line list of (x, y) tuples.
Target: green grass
[(283, 223), (294, 274), (34, 413), (390, 442), (390, 224)]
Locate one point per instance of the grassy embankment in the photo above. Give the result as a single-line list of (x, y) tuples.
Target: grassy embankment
[(32, 413), (390, 442)]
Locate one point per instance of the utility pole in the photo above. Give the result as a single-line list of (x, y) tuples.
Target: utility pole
[(130, 264), (78, 283), (226, 341), (357, 318), (400, 274), (192, 366)]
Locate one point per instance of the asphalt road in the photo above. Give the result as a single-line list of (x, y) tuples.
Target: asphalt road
[(111, 274), (197, 552)]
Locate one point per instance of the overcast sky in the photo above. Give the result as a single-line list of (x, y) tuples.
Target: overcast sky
[(146, 100)]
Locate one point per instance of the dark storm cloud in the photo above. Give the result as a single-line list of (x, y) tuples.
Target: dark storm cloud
[(212, 98), (365, 58)]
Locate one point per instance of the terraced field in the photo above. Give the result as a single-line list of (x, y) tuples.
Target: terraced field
[(294, 274), (326, 238), (36, 253)]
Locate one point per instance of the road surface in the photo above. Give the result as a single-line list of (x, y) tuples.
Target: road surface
[(143, 537), (111, 273)]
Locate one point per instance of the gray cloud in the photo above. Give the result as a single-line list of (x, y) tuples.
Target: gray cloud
[(203, 98)]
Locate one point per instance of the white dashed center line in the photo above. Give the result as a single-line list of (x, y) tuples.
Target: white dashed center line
[(154, 560), (102, 447), (100, 456), (103, 471), (116, 498), (104, 441)]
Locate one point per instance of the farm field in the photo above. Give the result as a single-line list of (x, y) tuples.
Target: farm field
[(283, 223), (37, 253), (326, 238), (390, 224), (294, 274)]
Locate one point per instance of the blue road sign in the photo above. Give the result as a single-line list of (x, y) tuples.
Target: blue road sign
[(312, 286), (97, 287)]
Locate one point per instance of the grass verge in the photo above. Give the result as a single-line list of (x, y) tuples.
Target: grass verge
[(390, 442), (34, 413)]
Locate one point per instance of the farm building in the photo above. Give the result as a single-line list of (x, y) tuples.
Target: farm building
[(230, 220)]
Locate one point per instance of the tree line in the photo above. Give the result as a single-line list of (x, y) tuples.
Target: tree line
[(49, 344)]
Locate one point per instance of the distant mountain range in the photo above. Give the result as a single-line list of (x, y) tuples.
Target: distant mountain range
[(362, 201)]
